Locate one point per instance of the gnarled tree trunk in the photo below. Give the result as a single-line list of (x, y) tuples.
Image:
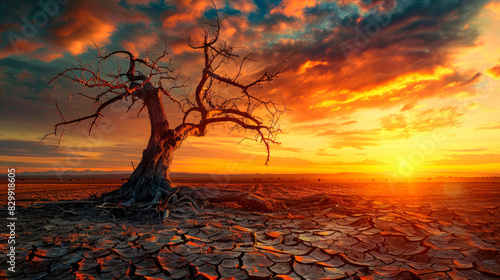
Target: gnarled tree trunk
[(150, 181)]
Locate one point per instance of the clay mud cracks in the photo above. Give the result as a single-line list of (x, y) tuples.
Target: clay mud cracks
[(376, 241)]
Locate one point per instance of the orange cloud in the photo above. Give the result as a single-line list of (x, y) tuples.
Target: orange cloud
[(495, 125), (29, 48), (468, 159), (494, 71), (77, 36), (494, 8), (423, 121), (410, 83), (293, 7), (48, 57), (237, 29), (408, 106), (311, 64), (357, 139), (245, 6), (137, 44), (83, 22), (187, 11), (366, 82), (19, 47)]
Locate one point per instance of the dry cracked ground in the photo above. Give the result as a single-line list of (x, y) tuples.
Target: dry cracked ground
[(369, 240)]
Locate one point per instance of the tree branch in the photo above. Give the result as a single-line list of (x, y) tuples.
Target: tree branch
[(93, 116), (258, 128)]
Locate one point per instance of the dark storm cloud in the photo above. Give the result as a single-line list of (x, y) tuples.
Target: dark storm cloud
[(419, 28), (272, 22), (432, 24)]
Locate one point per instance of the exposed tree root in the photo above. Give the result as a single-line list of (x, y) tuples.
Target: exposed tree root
[(188, 199), (181, 201), (245, 199), (164, 204), (185, 202)]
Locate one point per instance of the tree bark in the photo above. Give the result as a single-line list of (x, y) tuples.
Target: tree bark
[(150, 181)]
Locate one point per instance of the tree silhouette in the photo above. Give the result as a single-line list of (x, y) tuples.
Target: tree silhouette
[(217, 99)]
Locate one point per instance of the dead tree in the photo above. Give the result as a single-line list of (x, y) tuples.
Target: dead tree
[(217, 98)]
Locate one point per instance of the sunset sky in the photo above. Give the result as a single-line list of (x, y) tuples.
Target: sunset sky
[(385, 86)]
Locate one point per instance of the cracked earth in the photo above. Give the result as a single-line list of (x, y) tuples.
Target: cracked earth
[(364, 238)]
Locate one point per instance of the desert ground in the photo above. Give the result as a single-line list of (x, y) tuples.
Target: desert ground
[(332, 230)]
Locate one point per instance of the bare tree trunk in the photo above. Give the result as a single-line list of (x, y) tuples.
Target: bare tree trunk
[(150, 181)]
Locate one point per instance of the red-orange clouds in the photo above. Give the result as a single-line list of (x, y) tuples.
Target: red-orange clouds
[(293, 7), (84, 23), (71, 29), (19, 47), (422, 121), (495, 71), (187, 11)]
